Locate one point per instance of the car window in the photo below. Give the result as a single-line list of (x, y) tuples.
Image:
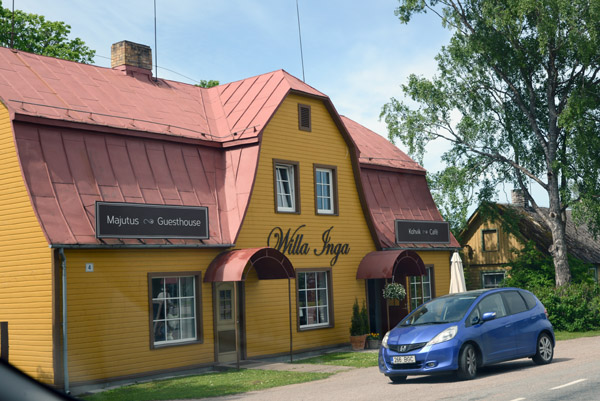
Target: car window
[(515, 302), (474, 317), (530, 299), (445, 309), (492, 303)]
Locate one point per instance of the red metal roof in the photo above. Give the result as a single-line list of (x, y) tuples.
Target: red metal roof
[(39, 86), (377, 151), (395, 187), (68, 170)]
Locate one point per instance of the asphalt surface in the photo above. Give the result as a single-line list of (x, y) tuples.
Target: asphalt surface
[(574, 374)]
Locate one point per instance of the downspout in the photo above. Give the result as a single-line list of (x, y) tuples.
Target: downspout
[(61, 253)]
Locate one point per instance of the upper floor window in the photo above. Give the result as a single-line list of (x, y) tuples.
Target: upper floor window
[(325, 189), (304, 121), (489, 239), (286, 187)]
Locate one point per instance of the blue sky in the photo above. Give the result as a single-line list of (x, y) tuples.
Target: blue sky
[(356, 52)]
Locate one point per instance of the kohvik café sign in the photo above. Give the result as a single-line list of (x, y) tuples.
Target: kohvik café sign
[(137, 220)]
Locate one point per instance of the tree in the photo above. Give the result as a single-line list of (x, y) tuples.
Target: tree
[(517, 97), (207, 84), (34, 34)]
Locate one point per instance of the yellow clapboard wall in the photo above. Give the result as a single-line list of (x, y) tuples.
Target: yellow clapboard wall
[(108, 312), (440, 260), (266, 307), (25, 281)]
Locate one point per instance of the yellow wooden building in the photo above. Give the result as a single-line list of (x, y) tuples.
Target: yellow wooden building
[(149, 226), (495, 232)]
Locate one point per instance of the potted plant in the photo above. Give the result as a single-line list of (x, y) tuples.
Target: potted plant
[(394, 291), (373, 341), (359, 326)]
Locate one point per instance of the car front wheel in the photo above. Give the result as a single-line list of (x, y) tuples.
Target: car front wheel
[(467, 363), (544, 350)]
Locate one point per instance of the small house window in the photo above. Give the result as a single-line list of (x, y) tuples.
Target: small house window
[(489, 240), (491, 279), (304, 120)]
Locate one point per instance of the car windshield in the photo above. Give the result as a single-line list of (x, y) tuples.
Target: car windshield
[(441, 310)]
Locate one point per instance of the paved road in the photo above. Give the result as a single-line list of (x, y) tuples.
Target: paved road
[(573, 375)]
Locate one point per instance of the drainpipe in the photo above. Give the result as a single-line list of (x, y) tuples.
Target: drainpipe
[(61, 253)]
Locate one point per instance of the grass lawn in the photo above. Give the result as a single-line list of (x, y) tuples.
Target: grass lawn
[(353, 359), (207, 385), (565, 335)]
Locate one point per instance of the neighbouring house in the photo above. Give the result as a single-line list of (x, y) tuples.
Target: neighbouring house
[(491, 239), (150, 226)]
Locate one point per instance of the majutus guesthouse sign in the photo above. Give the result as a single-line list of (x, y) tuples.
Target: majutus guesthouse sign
[(137, 220), (416, 232)]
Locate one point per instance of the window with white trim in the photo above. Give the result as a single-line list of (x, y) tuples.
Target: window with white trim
[(492, 279), (314, 299), (324, 190), (285, 187), (175, 308), (420, 289)]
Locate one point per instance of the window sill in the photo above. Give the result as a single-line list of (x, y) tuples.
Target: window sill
[(311, 328), (177, 344)]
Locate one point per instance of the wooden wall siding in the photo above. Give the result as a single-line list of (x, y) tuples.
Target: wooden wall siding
[(480, 257), (108, 312), (25, 282), (267, 301), (441, 269)]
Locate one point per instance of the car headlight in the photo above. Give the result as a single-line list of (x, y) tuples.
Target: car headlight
[(385, 340), (445, 335)]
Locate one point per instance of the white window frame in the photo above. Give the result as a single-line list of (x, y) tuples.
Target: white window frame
[(167, 309), (325, 186), (280, 183), (418, 285), (320, 302), (491, 273)]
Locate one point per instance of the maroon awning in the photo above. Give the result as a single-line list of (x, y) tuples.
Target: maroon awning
[(388, 264), (269, 264)]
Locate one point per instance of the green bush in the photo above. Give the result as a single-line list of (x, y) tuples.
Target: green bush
[(574, 307)]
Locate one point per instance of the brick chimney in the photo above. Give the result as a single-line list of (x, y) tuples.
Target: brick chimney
[(518, 199), (131, 58)]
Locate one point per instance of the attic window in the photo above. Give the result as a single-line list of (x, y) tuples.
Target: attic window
[(304, 122), (489, 239)]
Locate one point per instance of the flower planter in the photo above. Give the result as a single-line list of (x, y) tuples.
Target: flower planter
[(358, 342), (373, 344)]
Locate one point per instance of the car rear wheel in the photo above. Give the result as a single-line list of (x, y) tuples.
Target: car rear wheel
[(398, 379), (544, 350), (467, 363)]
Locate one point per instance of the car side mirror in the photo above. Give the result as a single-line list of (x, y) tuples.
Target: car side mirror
[(487, 316)]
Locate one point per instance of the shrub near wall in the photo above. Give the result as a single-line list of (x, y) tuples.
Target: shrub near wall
[(574, 307)]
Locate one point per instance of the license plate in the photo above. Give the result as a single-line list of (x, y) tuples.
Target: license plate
[(403, 359)]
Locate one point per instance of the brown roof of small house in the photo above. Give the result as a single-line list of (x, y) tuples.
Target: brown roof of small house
[(580, 242)]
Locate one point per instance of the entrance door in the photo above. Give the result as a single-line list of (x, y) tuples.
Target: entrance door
[(226, 317)]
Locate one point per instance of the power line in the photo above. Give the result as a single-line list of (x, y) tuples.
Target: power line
[(162, 68)]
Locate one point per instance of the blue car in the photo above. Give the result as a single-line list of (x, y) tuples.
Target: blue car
[(463, 332)]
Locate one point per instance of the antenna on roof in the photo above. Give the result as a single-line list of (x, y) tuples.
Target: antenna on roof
[(12, 31), (155, 47), (300, 36)]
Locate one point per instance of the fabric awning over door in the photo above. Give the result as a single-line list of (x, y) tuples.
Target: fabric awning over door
[(269, 263), (388, 264)]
